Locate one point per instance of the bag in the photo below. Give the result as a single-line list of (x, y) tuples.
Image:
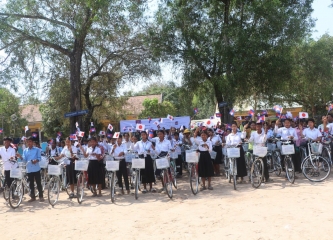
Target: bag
[(138, 163)]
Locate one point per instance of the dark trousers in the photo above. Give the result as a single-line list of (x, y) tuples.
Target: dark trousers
[(122, 173), (266, 173), (8, 180), (31, 178), (179, 165)]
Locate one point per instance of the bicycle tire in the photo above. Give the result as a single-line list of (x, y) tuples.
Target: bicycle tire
[(80, 188), (234, 173), (194, 180), (257, 173), (43, 178), (277, 163), (112, 187), (6, 192), (173, 173), (290, 170), (15, 194), (327, 155), (53, 190), (136, 185), (167, 183), (309, 171)]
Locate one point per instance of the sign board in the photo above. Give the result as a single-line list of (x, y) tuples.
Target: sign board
[(130, 125), (222, 104), (77, 113)]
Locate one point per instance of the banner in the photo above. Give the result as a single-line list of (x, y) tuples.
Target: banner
[(177, 122)]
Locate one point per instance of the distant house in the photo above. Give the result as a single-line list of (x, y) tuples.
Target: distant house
[(34, 117)]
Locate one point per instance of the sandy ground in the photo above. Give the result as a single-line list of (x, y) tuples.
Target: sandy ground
[(277, 210)]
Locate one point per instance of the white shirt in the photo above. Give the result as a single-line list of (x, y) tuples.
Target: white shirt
[(127, 144), (143, 147), (54, 152), (164, 146), (6, 155), (92, 150), (216, 140), (257, 138), (286, 132), (176, 145), (233, 139), (201, 148), (67, 153), (312, 133), (119, 149)]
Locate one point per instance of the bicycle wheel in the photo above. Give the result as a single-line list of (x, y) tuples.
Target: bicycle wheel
[(277, 163), (112, 187), (317, 170), (234, 173), (43, 178), (173, 173), (80, 188), (53, 190), (6, 192), (257, 172), (290, 170), (194, 179), (136, 184), (16, 193), (167, 183), (327, 155)]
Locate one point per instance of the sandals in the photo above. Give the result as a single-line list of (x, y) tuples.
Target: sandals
[(153, 190), (203, 188), (210, 188), (144, 191)]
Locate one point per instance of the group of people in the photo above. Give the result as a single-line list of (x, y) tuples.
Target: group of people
[(203, 139)]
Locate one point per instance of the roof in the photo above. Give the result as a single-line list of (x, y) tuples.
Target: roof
[(31, 113), (134, 104)]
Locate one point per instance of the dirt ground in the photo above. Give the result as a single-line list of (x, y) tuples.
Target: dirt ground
[(277, 210)]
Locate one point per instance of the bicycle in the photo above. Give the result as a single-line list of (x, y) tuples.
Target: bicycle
[(326, 153), (287, 150), (5, 188), (112, 166), (56, 182), (248, 158), (164, 165), (173, 168), (137, 164), (43, 163), (192, 160), (273, 157), (314, 164), (19, 185), (81, 166), (233, 153), (257, 168)]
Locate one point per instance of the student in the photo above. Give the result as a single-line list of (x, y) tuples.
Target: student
[(31, 156), (216, 143), (177, 144), (7, 153), (144, 148), (53, 151), (118, 152), (205, 166), (95, 175)]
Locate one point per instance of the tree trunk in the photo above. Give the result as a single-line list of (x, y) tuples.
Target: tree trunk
[(75, 84)]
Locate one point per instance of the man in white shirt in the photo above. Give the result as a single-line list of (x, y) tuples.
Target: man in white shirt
[(7, 153), (127, 141)]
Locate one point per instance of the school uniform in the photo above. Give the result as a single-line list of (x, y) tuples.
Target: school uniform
[(235, 139), (6, 154), (217, 147), (95, 175), (179, 162), (147, 173), (70, 167), (122, 173), (205, 166)]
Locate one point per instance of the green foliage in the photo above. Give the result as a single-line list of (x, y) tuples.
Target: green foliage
[(154, 109)]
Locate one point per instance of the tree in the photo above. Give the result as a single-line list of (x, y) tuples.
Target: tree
[(312, 79), (224, 41), (10, 114), (45, 39), (154, 109)]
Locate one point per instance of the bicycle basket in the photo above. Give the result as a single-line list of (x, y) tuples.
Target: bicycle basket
[(213, 154), (233, 152), (260, 151), (271, 146), (138, 163), (316, 148), (112, 165), (192, 156), (16, 173), (288, 149), (43, 162), (162, 163), (245, 147), (81, 165), (54, 170)]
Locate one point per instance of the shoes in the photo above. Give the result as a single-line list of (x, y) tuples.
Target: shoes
[(41, 199), (210, 188), (203, 188), (153, 190), (268, 180), (122, 192), (71, 195), (32, 200), (99, 195), (144, 191), (129, 192), (161, 190)]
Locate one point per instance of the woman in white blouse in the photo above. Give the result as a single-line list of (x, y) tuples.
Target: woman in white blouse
[(205, 165), (95, 173), (217, 147), (234, 138)]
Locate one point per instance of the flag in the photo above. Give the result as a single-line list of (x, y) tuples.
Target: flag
[(110, 127), (170, 117), (289, 115), (330, 107), (91, 124), (58, 139), (228, 126), (92, 130), (130, 129), (195, 110), (278, 108), (232, 112), (209, 123), (261, 119), (264, 112), (303, 115), (72, 137), (34, 135), (149, 119), (23, 138), (251, 113), (116, 135), (80, 134), (1, 130), (101, 133), (151, 133), (212, 117), (218, 115), (109, 135), (219, 131), (192, 126), (59, 134), (283, 116), (160, 120), (140, 127), (26, 128), (277, 114), (239, 118), (51, 141), (77, 126)]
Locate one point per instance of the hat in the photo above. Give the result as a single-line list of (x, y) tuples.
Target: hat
[(7, 139), (186, 131)]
